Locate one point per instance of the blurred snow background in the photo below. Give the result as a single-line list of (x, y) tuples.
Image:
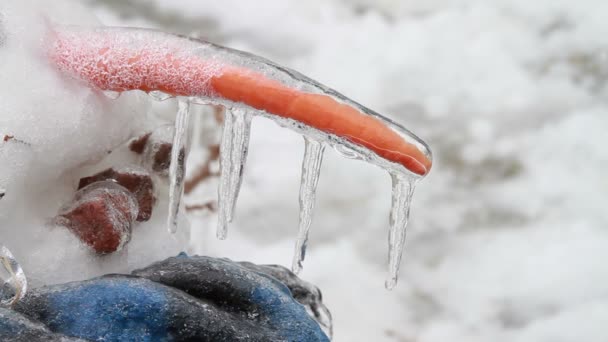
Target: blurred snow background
[(508, 239)]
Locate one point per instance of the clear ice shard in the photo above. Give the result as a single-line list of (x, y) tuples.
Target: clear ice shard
[(14, 283), (233, 154), (403, 190), (177, 168), (311, 168)]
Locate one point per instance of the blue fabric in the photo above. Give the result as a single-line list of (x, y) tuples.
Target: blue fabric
[(180, 299), (111, 309), (288, 316)]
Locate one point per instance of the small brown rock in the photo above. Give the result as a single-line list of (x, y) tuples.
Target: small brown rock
[(101, 215), (136, 180), (162, 157), (157, 152), (138, 144)]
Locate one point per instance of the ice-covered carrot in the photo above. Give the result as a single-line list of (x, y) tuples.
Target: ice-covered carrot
[(120, 60)]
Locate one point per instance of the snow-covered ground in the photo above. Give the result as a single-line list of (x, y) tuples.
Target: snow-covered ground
[(508, 238)]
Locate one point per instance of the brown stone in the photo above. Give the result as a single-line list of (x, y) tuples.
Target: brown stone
[(157, 152), (136, 180), (162, 157), (138, 144), (101, 216)]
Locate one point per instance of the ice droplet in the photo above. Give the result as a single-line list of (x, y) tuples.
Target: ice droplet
[(14, 283), (403, 190), (233, 154), (177, 168), (311, 168)]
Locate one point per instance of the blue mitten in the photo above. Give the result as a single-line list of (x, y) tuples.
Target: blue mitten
[(180, 299)]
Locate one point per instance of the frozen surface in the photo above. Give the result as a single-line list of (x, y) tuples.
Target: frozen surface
[(507, 239)]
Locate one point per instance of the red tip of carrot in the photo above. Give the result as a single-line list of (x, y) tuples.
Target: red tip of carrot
[(321, 112)]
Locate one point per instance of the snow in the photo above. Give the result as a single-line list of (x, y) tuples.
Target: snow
[(507, 237)]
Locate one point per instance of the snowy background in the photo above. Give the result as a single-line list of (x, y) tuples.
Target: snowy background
[(508, 239)]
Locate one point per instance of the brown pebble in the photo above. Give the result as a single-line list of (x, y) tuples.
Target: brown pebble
[(136, 180), (101, 216), (162, 157), (157, 152), (139, 144)]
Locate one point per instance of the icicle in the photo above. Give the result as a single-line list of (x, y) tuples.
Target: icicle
[(233, 154), (177, 168), (403, 189), (15, 281), (311, 168)]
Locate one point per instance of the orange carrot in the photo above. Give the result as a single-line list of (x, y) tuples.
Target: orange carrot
[(109, 65)]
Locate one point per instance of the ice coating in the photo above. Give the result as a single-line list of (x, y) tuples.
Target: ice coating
[(121, 59), (15, 281), (107, 233), (127, 59), (177, 168), (311, 168), (233, 154), (114, 61)]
